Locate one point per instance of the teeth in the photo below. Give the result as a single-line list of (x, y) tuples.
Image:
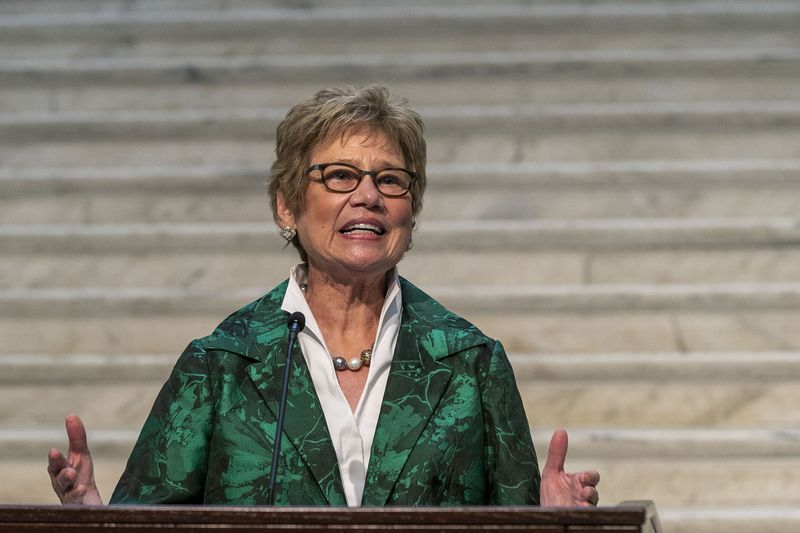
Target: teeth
[(363, 227)]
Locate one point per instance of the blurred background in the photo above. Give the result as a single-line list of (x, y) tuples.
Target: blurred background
[(614, 192)]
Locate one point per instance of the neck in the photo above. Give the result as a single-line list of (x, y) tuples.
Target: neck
[(348, 305)]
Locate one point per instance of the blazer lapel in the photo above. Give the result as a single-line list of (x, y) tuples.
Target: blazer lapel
[(304, 424), (416, 383)]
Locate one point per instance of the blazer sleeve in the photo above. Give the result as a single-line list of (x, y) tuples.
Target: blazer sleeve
[(169, 462), (513, 471)]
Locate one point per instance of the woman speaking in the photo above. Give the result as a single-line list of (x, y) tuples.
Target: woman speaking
[(394, 401)]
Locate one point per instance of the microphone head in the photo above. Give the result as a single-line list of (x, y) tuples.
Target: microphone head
[(297, 321)]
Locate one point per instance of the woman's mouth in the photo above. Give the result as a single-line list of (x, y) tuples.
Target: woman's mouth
[(361, 227)]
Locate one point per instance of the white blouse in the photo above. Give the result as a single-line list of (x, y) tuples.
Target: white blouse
[(351, 432)]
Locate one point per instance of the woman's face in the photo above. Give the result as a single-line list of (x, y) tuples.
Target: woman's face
[(360, 232)]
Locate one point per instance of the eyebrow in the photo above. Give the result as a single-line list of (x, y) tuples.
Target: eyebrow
[(385, 164)]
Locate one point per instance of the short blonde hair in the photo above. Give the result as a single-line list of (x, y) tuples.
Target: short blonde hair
[(339, 111)]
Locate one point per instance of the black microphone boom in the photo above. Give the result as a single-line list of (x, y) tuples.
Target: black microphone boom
[(297, 321)]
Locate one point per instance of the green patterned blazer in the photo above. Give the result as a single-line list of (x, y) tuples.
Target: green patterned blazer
[(451, 431)]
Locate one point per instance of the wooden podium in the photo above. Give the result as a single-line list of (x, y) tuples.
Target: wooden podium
[(628, 517)]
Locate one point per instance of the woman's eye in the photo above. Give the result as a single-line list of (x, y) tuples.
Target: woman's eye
[(388, 179), (342, 175)]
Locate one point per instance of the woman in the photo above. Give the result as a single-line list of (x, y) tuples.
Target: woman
[(395, 400)]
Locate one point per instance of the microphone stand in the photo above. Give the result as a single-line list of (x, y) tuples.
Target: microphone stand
[(297, 322)]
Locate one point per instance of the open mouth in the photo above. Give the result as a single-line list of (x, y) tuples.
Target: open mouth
[(362, 228)]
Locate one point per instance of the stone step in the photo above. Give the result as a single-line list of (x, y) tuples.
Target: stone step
[(112, 404), (765, 519), (686, 479), (584, 443), (396, 29), (448, 67), (247, 123), (45, 13), (113, 6), (436, 235), (224, 268), (641, 189), (579, 318), (530, 299), (490, 252), (535, 368), (32, 484), (688, 482), (634, 405), (743, 518), (725, 390), (462, 134), (80, 369), (666, 368), (652, 404), (462, 89)]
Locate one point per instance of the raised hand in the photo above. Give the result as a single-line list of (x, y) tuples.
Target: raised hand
[(73, 476), (560, 489)]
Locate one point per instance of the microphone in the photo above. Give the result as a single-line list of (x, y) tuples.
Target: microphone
[(297, 321)]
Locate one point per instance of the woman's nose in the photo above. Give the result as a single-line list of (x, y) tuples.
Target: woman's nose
[(366, 193)]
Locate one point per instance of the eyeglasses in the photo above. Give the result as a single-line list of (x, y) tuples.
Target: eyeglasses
[(342, 178)]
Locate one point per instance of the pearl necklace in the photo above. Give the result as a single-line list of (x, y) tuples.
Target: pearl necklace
[(355, 364), (340, 363)]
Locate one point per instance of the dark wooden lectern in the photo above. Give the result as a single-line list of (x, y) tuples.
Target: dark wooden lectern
[(628, 517)]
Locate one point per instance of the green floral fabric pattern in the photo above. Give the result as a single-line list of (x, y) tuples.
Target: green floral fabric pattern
[(452, 429)]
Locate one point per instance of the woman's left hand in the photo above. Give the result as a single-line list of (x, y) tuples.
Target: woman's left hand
[(561, 489)]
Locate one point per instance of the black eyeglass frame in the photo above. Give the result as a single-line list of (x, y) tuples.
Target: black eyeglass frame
[(373, 174)]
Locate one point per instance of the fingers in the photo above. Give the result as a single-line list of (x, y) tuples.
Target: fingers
[(557, 453), (75, 495), (589, 496), (590, 478), (76, 434), (63, 470), (67, 488), (56, 462), (587, 493), (66, 479), (59, 471), (62, 476)]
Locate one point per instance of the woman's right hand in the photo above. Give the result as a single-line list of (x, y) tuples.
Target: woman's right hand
[(73, 476)]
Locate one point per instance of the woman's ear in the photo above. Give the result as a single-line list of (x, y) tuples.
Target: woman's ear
[(284, 214)]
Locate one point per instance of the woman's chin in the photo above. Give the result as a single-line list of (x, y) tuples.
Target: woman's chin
[(368, 262)]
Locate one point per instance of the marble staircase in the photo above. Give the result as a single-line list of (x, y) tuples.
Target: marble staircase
[(613, 193)]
